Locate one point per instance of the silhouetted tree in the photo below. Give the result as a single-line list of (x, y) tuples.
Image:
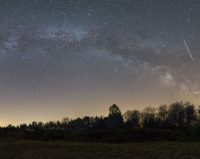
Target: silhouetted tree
[(23, 126), (65, 122), (176, 115), (198, 113), (51, 125), (76, 124), (163, 112), (132, 118), (148, 116), (115, 119), (190, 114), (87, 122), (100, 123), (162, 117)]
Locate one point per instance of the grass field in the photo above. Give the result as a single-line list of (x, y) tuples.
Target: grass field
[(61, 150)]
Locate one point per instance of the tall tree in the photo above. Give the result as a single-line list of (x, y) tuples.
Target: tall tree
[(176, 115), (149, 117), (132, 118), (163, 112), (115, 119), (190, 114)]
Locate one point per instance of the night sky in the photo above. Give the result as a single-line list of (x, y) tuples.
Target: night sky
[(77, 57)]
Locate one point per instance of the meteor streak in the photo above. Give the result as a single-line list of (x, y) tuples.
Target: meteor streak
[(188, 50)]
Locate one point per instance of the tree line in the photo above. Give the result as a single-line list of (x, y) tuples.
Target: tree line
[(177, 121)]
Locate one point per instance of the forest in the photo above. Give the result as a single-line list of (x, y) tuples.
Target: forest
[(175, 122)]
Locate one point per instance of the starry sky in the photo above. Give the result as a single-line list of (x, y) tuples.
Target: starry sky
[(77, 57)]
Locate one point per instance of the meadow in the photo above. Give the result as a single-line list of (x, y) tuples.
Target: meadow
[(66, 150)]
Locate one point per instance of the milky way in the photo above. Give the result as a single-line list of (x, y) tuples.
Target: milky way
[(76, 57)]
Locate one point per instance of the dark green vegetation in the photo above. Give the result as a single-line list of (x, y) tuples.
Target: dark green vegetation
[(61, 150), (176, 122)]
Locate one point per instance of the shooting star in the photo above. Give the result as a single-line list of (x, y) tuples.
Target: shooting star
[(188, 50)]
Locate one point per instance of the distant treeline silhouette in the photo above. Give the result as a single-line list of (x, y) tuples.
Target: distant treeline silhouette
[(178, 121)]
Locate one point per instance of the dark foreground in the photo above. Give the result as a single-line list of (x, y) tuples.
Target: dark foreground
[(61, 150)]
